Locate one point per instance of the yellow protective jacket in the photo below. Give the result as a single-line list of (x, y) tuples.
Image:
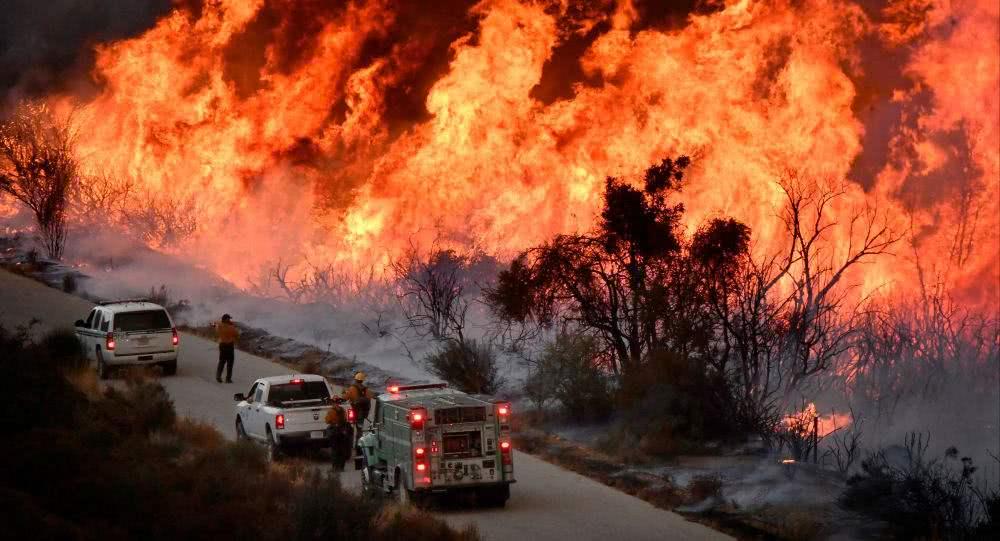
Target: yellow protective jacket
[(336, 416), (353, 393), (226, 333)]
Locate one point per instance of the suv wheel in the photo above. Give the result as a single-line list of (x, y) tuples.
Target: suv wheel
[(241, 433), (102, 368)]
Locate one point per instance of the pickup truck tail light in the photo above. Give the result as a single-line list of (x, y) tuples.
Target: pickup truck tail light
[(109, 342), (279, 421), (176, 338)]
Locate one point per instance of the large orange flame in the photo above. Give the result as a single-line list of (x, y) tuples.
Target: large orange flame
[(289, 152)]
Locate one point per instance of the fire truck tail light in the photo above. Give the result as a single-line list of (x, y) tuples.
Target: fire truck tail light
[(109, 342), (503, 410), (505, 445), (421, 467), (176, 339), (417, 419), (279, 421), (420, 451)]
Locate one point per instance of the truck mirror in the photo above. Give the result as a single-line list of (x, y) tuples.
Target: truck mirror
[(239, 397), (80, 323)]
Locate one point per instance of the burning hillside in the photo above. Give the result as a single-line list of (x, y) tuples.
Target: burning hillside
[(339, 133)]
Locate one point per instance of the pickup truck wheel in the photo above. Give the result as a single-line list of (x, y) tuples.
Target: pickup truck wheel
[(170, 368), (241, 433), (273, 451), (102, 368)]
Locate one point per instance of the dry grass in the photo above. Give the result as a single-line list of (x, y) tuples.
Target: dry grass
[(411, 524), (198, 434), (85, 381)]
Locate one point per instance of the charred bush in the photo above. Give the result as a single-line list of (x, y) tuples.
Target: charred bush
[(703, 487), (163, 297), (69, 284), (921, 498), (471, 366)]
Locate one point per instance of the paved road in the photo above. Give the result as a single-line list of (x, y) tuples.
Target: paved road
[(546, 503)]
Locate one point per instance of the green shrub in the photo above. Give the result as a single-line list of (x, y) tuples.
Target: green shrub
[(670, 403), (571, 371), (471, 366)]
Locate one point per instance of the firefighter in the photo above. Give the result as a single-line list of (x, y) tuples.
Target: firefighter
[(360, 398), (340, 437), (227, 333)]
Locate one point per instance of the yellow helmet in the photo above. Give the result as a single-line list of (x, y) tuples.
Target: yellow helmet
[(359, 376)]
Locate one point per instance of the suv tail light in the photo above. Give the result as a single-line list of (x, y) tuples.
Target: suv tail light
[(417, 418), (176, 339), (279, 421), (109, 342), (505, 453)]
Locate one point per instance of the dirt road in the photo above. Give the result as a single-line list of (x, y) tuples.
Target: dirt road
[(546, 503)]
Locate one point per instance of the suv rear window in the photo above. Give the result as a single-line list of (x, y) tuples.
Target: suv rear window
[(142, 321), (296, 392)]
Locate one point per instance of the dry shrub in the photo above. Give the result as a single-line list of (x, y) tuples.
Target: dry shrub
[(198, 434), (410, 524), (85, 380), (470, 366)]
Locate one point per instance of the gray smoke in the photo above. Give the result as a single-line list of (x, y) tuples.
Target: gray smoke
[(47, 45)]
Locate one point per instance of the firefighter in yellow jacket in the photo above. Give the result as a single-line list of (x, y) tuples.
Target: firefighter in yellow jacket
[(227, 334), (340, 437), (360, 397)]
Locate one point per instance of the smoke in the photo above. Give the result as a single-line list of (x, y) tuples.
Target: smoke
[(48, 46)]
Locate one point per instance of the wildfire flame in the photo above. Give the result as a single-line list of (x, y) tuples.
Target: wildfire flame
[(827, 424), (281, 121)]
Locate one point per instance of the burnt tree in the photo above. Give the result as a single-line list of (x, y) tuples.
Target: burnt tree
[(39, 169)]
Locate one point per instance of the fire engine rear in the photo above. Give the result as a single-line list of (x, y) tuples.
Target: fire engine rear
[(424, 439)]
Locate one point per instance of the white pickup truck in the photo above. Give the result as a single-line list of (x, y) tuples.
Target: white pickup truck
[(286, 411)]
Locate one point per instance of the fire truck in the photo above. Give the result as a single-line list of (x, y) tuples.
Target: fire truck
[(426, 439)]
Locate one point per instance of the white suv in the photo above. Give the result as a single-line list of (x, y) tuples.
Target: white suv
[(129, 332)]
